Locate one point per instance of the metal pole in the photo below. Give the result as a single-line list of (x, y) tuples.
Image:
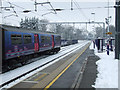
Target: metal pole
[(71, 4), (86, 26), (108, 17), (104, 31), (117, 32), (1, 56), (94, 22), (2, 12), (35, 5)]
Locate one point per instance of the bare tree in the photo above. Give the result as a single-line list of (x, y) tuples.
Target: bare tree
[(43, 25), (29, 23), (66, 31), (98, 31)]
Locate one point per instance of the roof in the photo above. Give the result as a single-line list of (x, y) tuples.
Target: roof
[(19, 29)]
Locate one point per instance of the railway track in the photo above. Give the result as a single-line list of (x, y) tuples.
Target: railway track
[(12, 81)]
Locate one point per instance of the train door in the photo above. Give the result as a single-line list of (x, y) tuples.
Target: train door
[(53, 42), (36, 42)]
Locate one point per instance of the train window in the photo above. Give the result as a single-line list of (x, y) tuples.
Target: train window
[(45, 39), (48, 39), (16, 39), (27, 39), (57, 38), (42, 39)]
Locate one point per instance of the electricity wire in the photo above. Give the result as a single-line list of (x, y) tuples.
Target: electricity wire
[(79, 8)]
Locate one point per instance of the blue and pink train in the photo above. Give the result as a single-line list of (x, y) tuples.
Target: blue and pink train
[(18, 43)]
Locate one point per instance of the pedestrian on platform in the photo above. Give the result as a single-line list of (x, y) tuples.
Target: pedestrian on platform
[(108, 49)]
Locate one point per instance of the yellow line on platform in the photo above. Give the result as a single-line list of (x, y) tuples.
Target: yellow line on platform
[(51, 83)]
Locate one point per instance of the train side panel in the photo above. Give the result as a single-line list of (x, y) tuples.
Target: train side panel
[(1, 48), (57, 41), (17, 44), (45, 41), (28, 43), (0, 44)]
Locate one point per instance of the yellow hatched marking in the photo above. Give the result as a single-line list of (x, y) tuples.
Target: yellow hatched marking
[(40, 77)]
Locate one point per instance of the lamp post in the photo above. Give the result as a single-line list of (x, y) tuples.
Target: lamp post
[(94, 15), (93, 21)]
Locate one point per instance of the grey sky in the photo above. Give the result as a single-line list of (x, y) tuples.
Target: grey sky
[(86, 7)]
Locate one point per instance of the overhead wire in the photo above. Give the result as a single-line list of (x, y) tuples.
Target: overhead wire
[(22, 14), (97, 7), (60, 17), (79, 8), (53, 13), (50, 12), (11, 5), (23, 8), (13, 9), (77, 5), (56, 14), (67, 9)]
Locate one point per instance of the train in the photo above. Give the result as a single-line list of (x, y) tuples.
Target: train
[(65, 42), (18, 44)]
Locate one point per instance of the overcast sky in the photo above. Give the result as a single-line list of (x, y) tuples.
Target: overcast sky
[(63, 0), (81, 12)]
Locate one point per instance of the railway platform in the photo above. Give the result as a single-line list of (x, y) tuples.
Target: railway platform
[(90, 72), (85, 77), (76, 71)]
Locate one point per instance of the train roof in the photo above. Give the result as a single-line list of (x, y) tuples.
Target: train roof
[(19, 29)]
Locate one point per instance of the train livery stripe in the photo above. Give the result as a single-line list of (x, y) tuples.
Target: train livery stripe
[(14, 54)]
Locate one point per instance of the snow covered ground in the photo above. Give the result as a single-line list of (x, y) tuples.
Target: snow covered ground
[(19, 71), (107, 68)]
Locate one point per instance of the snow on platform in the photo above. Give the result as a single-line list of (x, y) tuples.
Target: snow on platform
[(107, 68), (19, 71)]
